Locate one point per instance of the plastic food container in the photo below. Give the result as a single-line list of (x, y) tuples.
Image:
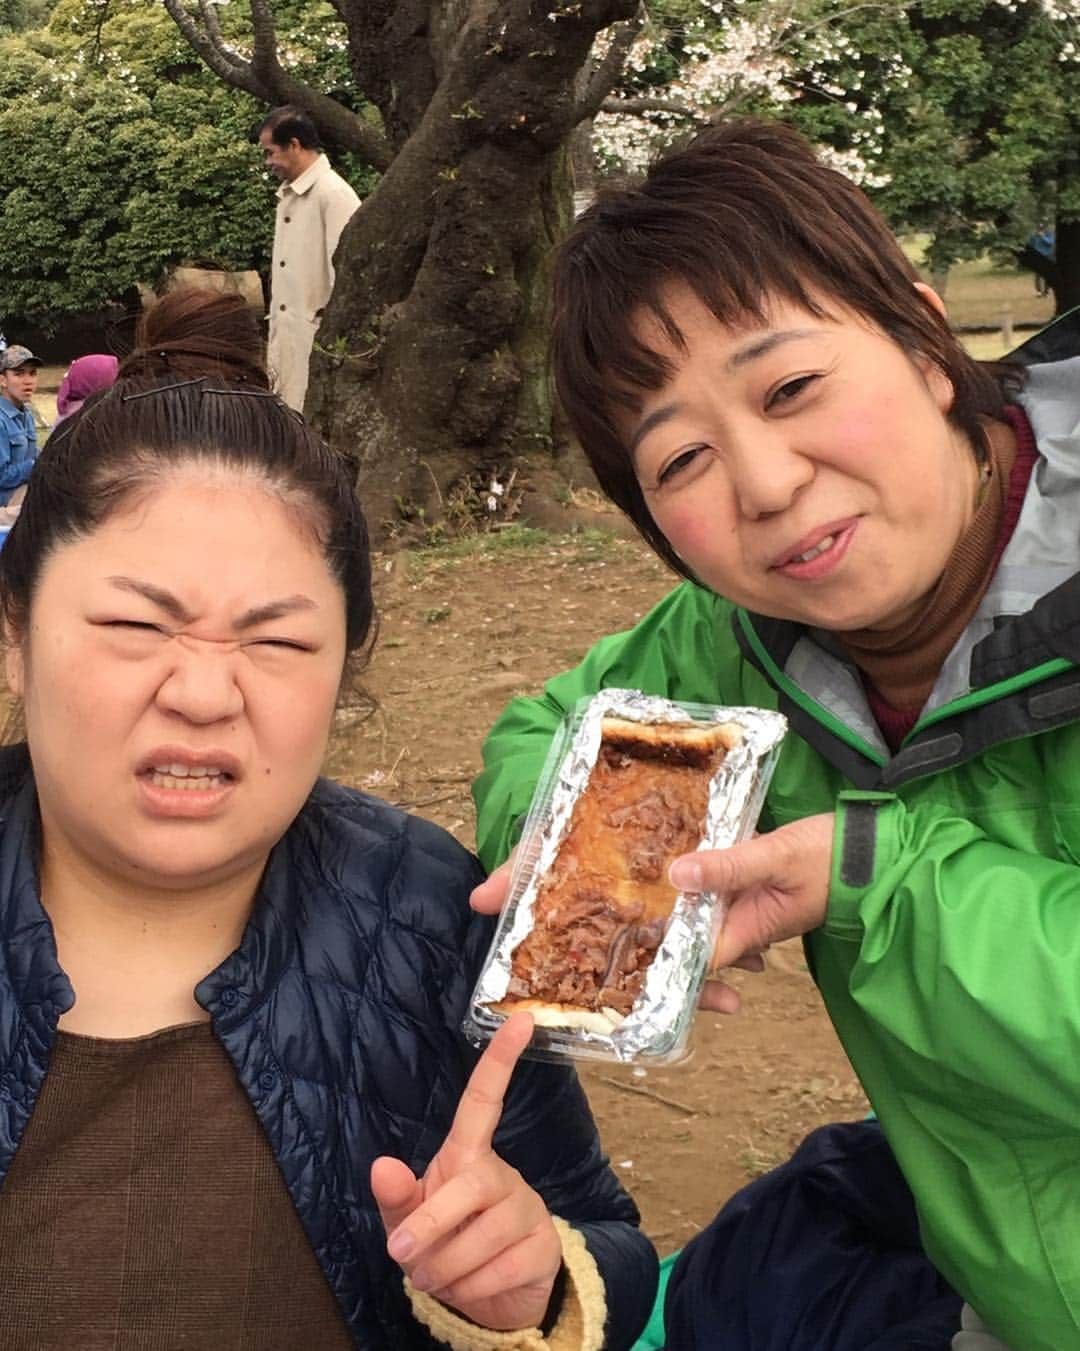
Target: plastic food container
[(590, 908)]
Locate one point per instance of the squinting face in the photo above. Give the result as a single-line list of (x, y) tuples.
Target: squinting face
[(19, 385), (179, 680), (804, 467)]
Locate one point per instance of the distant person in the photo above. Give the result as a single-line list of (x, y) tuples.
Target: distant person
[(314, 204), (85, 376), (1042, 241), (18, 435)]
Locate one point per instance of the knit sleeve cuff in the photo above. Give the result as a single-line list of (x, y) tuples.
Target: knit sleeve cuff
[(579, 1327)]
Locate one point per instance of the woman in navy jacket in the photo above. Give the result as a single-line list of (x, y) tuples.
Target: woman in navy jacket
[(236, 1107)]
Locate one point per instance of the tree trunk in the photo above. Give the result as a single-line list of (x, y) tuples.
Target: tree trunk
[(1067, 258), (430, 367)]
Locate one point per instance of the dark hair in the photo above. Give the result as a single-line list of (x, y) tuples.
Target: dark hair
[(194, 390), (744, 213), (288, 123)]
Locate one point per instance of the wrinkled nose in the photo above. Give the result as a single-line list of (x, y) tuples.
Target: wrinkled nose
[(202, 683)]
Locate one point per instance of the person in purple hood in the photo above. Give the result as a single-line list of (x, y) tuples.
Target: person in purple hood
[(85, 376)]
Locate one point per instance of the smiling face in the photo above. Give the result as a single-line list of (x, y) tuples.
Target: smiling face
[(179, 678), (285, 162), (803, 467)]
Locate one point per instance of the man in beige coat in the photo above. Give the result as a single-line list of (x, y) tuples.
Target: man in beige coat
[(314, 204)]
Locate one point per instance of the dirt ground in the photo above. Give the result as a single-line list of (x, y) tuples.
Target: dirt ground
[(463, 631)]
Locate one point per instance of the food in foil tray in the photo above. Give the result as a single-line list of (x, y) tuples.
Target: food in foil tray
[(602, 908), (594, 941)]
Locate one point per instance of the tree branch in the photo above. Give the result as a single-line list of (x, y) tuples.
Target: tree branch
[(214, 34), (225, 66), (608, 69), (103, 14), (266, 79), (264, 58), (651, 105)]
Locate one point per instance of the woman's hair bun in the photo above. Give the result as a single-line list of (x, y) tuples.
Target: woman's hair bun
[(191, 333)]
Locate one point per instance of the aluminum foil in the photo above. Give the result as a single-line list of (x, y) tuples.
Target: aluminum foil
[(658, 1025)]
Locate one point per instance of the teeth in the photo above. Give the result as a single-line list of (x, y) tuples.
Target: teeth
[(190, 780), (818, 548), (188, 771)]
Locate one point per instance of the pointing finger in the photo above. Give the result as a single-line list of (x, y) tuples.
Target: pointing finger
[(480, 1108)]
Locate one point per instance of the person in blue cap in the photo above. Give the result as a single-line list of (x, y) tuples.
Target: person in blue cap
[(18, 437)]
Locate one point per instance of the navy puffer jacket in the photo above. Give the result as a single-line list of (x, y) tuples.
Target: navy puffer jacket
[(342, 1011)]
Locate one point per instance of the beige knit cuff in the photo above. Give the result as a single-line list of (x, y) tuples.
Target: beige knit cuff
[(581, 1319)]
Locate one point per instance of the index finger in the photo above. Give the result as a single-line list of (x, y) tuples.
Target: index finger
[(480, 1108)]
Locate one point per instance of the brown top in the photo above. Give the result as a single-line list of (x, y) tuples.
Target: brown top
[(144, 1210)]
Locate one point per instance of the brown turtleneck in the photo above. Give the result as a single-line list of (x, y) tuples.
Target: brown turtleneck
[(902, 663)]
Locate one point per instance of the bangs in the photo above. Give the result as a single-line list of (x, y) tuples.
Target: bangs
[(613, 277)]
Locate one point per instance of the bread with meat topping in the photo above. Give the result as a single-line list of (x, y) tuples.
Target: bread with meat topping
[(600, 912)]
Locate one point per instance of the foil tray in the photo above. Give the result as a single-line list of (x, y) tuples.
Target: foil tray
[(657, 1028)]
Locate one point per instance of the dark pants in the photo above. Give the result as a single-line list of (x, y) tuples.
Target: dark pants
[(821, 1254)]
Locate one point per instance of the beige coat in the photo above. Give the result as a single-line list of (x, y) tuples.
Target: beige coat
[(312, 211)]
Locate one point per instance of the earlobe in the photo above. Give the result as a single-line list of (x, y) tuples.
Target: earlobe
[(931, 298), (940, 387), (939, 384)]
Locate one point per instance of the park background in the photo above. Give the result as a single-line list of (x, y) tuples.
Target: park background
[(128, 154)]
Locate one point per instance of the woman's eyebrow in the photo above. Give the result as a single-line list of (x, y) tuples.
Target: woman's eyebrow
[(759, 347), (742, 356), (275, 609), (655, 419), (258, 614), (155, 594)]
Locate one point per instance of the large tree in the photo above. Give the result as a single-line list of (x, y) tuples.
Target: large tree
[(430, 364), (960, 117)]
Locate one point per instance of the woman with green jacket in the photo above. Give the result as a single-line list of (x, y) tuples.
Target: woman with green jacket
[(880, 538)]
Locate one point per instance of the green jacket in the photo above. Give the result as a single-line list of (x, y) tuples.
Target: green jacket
[(950, 956)]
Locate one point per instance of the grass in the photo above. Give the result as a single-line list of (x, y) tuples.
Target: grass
[(515, 539), (593, 544), (989, 346), (586, 546), (979, 292)]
